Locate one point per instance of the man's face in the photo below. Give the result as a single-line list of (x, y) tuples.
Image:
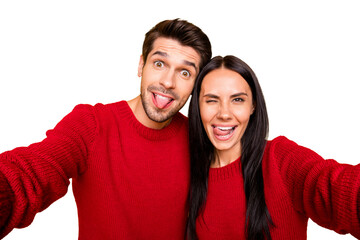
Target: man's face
[(168, 78)]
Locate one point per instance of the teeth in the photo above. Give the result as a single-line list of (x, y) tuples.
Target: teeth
[(225, 128), (162, 97)]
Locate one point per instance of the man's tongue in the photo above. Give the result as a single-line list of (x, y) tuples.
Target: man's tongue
[(222, 132), (161, 101)]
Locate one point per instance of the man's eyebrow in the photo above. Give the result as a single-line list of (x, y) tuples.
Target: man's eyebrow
[(191, 64), (164, 54)]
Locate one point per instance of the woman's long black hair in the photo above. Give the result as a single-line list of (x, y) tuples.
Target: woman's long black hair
[(258, 220)]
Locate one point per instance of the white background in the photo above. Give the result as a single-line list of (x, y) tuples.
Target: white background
[(56, 54)]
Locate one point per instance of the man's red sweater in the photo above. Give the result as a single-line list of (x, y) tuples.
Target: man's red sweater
[(298, 184), (129, 181)]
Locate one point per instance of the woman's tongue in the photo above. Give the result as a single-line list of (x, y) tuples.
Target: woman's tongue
[(162, 101), (222, 131)]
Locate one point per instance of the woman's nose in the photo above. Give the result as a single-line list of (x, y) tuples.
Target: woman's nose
[(224, 112)]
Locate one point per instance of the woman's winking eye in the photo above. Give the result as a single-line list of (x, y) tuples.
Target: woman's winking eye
[(211, 100)]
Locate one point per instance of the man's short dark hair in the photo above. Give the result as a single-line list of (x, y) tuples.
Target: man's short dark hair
[(187, 34)]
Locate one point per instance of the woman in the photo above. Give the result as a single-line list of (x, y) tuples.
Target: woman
[(245, 187)]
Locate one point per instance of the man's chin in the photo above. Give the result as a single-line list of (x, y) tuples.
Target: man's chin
[(160, 117)]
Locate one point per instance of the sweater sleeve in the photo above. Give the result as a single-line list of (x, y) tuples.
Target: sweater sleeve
[(33, 177), (324, 190)]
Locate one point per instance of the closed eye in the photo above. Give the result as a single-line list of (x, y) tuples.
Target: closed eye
[(211, 98)]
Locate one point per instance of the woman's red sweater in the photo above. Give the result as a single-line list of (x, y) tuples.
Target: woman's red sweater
[(298, 185)]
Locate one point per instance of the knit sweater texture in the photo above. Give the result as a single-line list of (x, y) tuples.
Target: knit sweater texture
[(129, 181), (298, 185)]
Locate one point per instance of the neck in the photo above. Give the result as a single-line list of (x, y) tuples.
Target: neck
[(225, 157), (140, 114)]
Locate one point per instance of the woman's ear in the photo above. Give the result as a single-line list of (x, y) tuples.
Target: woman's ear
[(253, 109)]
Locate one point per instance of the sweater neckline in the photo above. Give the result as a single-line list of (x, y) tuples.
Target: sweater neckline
[(225, 172), (149, 133)]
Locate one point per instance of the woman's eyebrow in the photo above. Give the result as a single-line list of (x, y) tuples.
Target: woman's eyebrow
[(239, 94), (210, 95)]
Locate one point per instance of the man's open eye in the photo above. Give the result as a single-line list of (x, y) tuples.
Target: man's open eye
[(158, 64), (185, 73)]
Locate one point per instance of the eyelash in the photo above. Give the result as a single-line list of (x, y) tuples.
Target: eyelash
[(162, 64), (156, 62), (238, 100), (181, 72), (235, 100), (188, 73)]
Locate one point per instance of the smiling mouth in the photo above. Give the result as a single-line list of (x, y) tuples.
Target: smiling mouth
[(223, 133), (161, 101)]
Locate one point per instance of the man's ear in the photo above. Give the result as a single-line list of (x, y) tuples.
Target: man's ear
[(141, 66)]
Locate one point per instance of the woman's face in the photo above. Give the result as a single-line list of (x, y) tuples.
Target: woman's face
[(225, 107)]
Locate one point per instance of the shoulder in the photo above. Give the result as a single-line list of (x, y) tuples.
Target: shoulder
[(182, 117), (285, 151), (99, 110), (111, 106), (280, 143), (81, 112), (283, 144), (280, 140), (287, 154), (179, 122), (93, 113)]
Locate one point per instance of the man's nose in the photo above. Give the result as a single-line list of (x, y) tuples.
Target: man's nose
[(168, 80)]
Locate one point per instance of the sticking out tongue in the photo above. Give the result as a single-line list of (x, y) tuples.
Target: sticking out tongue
[(222, 131), (162, 101)]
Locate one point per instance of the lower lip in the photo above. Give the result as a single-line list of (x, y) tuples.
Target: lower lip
[(155, 103), (225, 137)]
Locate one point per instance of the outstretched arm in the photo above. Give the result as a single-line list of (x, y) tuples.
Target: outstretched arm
[(324, 190), (33, 177)]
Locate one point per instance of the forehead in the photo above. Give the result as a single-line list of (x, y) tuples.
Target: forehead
[(223, 80), (174, 51)]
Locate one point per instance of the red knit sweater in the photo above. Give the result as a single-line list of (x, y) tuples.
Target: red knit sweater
[(129, 181), (298, 184)]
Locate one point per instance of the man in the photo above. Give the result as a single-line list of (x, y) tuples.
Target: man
[(128, 160)]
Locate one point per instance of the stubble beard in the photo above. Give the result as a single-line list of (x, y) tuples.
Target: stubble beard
[(155, 114)]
